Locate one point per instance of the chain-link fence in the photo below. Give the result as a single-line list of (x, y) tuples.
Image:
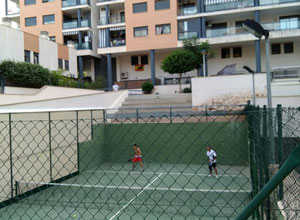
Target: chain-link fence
[(79, 164)]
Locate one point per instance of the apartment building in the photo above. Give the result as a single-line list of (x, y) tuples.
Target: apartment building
[(24, 47), (126, 40)]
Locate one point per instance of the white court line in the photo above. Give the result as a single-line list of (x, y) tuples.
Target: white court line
[(135, 197), (163, 173), (139, 187)]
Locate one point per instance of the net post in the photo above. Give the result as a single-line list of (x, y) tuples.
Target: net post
[(104, 116), (279, 145), (50, 147), (16, 191), (10, 157), (137, 115), (170, 114)]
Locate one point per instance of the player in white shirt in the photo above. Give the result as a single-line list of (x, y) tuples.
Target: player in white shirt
[(212, 161)]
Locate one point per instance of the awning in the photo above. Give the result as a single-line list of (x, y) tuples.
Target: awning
[(70, 33), (120, 28)]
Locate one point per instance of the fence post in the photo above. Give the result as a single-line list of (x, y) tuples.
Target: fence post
[(266, 147), (104, 116), (279, 145), (137, 115), (77, 139), (50, 147), (92, 130), (11, 159), (170, 114)]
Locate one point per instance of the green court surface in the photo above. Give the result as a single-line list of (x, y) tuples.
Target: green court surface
[(162, 191)]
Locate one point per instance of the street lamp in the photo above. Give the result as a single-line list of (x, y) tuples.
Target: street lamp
[(258, 31), (203, 52), (253, 82)]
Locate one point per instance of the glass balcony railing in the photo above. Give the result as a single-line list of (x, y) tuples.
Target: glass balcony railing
[(105, 0), (282, 25), (112, 20), (187, 10), (117, 42), (272, 2), (13, 11), (84, 46), (74, 24), (213, 5), (69, 3), (187, 35)]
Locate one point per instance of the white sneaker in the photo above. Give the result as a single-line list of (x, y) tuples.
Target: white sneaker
[(217, 176), (209, 175)]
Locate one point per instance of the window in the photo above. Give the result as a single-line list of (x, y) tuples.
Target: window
[(188, 29), (52, 38), (225, 53), (163, 29), (289, 22), (45, 1), (162, 4), (237, 52), (140, 7), (288, 48), (27, 56), (134, 60), (141, 31), (30, 2), (276, 49), (144, 59), (66, 64), (60, 63), (30, 21), (48, 19), (35, 58)]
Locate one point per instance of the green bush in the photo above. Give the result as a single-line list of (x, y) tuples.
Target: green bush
[(187, 90), (25, 74), (147, 87)]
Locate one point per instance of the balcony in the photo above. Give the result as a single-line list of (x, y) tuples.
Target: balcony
[(273, 2), (117, 42), (187, 9), (101, 1), (112, 20), (84, 46), (213, 5), (282, 25), (74, 24), (13, 11), (187, 35), (70, 3)]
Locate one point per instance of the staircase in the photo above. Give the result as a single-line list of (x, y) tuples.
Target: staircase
[(154, 105)]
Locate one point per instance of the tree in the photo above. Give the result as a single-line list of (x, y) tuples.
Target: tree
[(196, 47), (179, 62)]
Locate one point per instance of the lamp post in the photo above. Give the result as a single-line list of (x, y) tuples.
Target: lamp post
[(253, 82), (258, 31), (203, 52)]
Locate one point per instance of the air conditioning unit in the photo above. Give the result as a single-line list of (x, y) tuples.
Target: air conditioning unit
[(124, 75)]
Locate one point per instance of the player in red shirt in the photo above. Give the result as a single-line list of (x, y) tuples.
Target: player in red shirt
[(137, 157)]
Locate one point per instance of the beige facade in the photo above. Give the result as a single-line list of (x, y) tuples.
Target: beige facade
[(151, 18), (39, 10)]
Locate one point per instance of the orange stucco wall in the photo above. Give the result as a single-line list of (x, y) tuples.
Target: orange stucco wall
[(31, 42), (150, 19), (38, 10), (63, 52)]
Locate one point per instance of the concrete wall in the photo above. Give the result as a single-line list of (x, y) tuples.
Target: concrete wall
[(207, 88), (73, 61), (48, 49), (11, 44)]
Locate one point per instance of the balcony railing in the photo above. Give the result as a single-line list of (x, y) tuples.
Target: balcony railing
[(106, 0), (112, 20), (74, 24), (187, 10), (282, 25), (187, 35), (219, 5), (13, 11), (117, 42), (69, 3), (272, 2), (84, 46), (224, 31)]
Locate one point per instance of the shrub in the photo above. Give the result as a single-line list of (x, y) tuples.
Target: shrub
[(147, 87), (25, 74), (187, 90)]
